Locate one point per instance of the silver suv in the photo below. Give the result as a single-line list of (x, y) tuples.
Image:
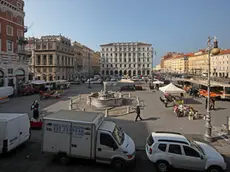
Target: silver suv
[(169, 149)]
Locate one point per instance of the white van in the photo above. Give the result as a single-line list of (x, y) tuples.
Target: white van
[(14, 130), (86, 135)]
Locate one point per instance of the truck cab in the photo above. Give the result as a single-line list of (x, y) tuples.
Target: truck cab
[(113, 145)]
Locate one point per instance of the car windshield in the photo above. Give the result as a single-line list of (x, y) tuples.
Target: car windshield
[(118, 135), (197, 147)]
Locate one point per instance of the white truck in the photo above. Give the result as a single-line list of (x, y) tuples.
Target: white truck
[(14, 130), (68, 133)]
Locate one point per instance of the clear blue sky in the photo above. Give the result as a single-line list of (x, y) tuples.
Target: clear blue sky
[(170, 25)]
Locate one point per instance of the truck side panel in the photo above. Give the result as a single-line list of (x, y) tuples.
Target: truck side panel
[(56, 136), (81, 140)]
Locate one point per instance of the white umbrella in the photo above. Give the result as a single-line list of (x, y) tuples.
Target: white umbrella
[(171, 89), (158, 82)]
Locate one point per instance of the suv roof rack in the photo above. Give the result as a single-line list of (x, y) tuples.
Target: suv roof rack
[(168, 132), (174, 141)]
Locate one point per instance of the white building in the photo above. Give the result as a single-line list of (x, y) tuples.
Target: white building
[(129, 58), (220, 64)]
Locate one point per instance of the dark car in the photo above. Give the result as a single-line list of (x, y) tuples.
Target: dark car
[(128, 88)]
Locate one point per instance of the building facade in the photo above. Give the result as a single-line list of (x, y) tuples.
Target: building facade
[(78, 59), (130, 58), (220, 64), (198, 63), (96, 63), (53, 58), (13, 58)]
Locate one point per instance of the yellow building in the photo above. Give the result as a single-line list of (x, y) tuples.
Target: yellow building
[(198, 63), (177, 64)]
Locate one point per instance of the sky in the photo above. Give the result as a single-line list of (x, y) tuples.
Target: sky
[(169, 25)]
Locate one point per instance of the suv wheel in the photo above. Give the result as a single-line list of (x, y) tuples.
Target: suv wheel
[(162, 166), (214, 169)]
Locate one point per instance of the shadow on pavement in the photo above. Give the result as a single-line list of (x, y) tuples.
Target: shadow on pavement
[(191, 101), (138, 131), (150, 118)]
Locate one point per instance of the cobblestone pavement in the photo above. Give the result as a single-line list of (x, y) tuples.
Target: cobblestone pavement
[(156, 117)]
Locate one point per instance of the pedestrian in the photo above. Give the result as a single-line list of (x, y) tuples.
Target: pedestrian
[(138, 111), (35, 107), (212, 106), (206, 103)]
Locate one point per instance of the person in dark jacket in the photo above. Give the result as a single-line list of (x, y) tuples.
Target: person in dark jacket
[(35, 107), (138, 111), (206, 103)]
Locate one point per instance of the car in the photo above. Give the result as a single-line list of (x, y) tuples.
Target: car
[(127, 88), (169, 149)]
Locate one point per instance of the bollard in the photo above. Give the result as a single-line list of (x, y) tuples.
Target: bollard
[(70, 104), (128, 109), (129, 95), (79, 96), (228, 124), (138, 101), (120, 95), (106, 112), (90, 100)]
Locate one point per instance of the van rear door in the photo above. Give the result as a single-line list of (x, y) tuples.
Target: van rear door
[(12, 133), (24, 128)]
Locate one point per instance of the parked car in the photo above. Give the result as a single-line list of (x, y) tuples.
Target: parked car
[(169, 149), (128, 88), (76, 82), (138, 87)]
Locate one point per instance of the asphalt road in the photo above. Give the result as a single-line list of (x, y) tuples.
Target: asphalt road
[(29, 158)]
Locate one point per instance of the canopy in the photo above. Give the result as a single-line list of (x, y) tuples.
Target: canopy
[(126, 81), (158, 82), (171, 89)]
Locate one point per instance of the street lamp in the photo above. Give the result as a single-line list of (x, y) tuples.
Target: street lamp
[(212, 50), (89, 86)]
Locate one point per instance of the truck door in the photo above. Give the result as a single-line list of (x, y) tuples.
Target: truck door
[(106, 147), (81, 140)]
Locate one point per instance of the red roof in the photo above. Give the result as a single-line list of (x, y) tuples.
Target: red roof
[(227, 51)]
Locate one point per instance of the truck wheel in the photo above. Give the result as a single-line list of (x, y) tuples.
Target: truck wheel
[(64, 159), (118, 164)]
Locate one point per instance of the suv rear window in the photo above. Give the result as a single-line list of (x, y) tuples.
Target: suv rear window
[(150, 140)]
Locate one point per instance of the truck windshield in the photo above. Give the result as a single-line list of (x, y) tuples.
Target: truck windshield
[(118, 135)]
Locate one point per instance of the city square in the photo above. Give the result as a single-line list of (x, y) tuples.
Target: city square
[(155, 118)]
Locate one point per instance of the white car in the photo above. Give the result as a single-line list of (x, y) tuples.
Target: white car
[(169, 149)]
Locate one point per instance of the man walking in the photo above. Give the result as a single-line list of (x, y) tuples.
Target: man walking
[(138, 111)]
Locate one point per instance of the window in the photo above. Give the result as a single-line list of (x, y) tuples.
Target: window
[(150, 140), (175, 149), (190, 152), (19, 20), (9, 45), (19, 33), (107, 140), (9, 30), (10, 71), (162, 147), (19, 5)]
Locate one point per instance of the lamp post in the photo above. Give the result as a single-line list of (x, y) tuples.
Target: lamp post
[(212, 49), (89, 86)]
